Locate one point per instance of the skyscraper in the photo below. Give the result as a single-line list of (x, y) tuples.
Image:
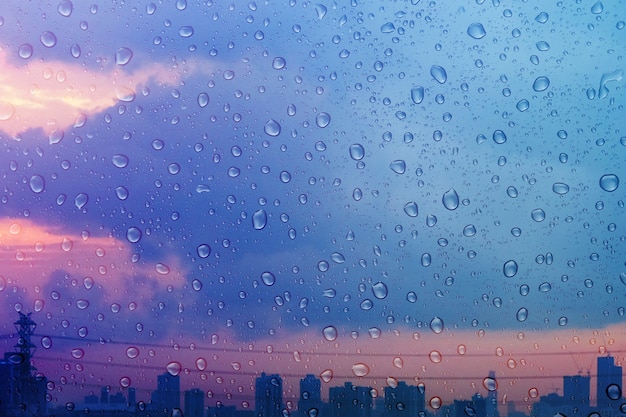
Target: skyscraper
[(194, 403), (350, 401), (310, 401), (576, 390), (268, 396), (167, 395), (609, 384), (491, 403)]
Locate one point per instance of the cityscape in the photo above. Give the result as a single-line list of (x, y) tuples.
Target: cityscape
[(23, 392)]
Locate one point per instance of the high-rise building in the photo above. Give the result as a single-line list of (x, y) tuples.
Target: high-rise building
[(104, 395), (132, 396), (167, 395), (194, 403), (609, 383), (403, 400), (310, 401), (576, 390), (268, 396), (350, 401), (477, 406), (491, 403)]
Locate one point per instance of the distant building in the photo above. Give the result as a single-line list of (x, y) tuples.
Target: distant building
[(167, 395), (576, 390), (104, 395), (91, 399), (609, 384), (491, 403), (268, 396), (477, 406), (310, 402), (350, 401), (132, 397), (403, 401), (194, 403)]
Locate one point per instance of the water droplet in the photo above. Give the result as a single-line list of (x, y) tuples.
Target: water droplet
[(614, 392), (326, 375), (279, 63), (538, 215), (48, 39), (330, 333), (56, 136), (476, 31), (469, 230), (560, 188), (499, 137), (510, 268), (322, 119), (203, 250), (522, 314), (542, 17), (268, 278), (360, 369), (120, 161), (398, 362), (132, 352), (398, 166), (609, 182), (545, 287), (439, 74), (133, 234), (203, 99), (426, 259), (272, 128), (81, 200), (259, 219), (65, 8), (436, 325), (597, 8), (337, 258), (380, 290), (173, 368), (185, 31), (435, 403), (357, 152), (435, 356), (321, 11), (522, 105), (25, 51), (411, 209), (162, 269), (78, 353), (46, 342), (490, 384), (541, 84), (123, 56), (450, 199), (37, 184), (542, 46), (387, 28), (417, 94), (562, 321)]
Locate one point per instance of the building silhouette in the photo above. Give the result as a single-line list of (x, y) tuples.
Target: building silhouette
[(491, 403), (310, 401), (194, 403), (477, 406), (167, 396), (22, 391), (268, 396), (609, 384), (576, 390), (350, 401), (403, 400)]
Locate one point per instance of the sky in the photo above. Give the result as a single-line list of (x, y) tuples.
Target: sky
[(258, 174)]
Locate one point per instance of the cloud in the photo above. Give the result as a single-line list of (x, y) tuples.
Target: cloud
[(53, 95)]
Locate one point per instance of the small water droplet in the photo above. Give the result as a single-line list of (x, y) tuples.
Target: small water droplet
[(380, 290), (133, 234), (185, 31), (597, 8), (417, 94), (78, 353), (326, 375), (56, 136), (37, 184), (65, 8), (499, 137), (388, 28), (490, 384), (542, 17), (162, 269), (435, 403), (398, 166), (469, 230), (203, 99), (439, 74), (522, 105), (132, 352), (279, 63), (81, 200), (330, 333), (476, 31), (203, 250), (435, 356), (436, 325), (25, 51), (321, 11), (120, 160), (614, 392)]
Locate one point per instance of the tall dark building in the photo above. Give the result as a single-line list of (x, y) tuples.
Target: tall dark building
[(310, 401), (477, 406), (576, 390), (104, 395), (132, 396), (22, 393), (268, 396), (350, 401), (194, 403), (167, 395), (609, 383), (491, 403), (403, 401)]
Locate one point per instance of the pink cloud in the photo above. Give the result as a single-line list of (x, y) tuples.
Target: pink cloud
[(54, 95)]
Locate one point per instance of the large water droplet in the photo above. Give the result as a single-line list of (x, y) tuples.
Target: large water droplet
[(25, 51), (522, 105), (522, 314), (560, 188), (203, 99), (174, 368), (469, 230), (357, 152), (439, 74), (490, 384), (37, 183), (133, 234), (322, 120), (81, 200), (387, 28), (360, 369), (268, 278), (120, 160), (48, 39), (436, 325), (538, 215), (597, 8), (326, 375), (450, 199), (541, 84), (65, 8), (542, 17), (185, 31), (330, 333), (411, 209), (162, 269), (56, 136), (417, 94), (476, 31), (123, 56), (398, 166), (380, 290), (609, 182), (510, 268), (272, 128), (321, 11), (259, 219), (614, 392)]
